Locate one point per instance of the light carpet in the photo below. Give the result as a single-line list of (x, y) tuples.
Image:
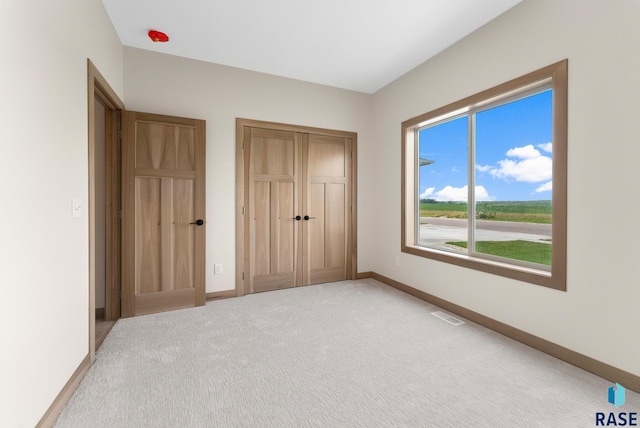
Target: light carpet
[(347, 354)]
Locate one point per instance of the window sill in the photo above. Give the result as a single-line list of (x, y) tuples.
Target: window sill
[(553, 279)]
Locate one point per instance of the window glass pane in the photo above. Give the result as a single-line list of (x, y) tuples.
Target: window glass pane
[(513, 176), (443, 184)]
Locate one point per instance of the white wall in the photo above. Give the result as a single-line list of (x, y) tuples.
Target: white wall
[(43, 166), (159, 83), (598, 314)]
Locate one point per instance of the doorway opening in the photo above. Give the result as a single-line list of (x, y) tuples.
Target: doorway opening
[(104, 201)]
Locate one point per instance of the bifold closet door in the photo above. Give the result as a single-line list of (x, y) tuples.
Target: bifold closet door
[(299, 200)]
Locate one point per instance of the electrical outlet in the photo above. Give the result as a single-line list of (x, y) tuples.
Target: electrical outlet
[(397, 260), (217, 269)]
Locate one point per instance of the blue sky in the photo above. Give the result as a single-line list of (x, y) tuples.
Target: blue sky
[(513, 154)]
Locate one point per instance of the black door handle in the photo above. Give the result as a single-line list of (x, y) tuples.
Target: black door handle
[(198, 222), (298, 218), (308, 218)]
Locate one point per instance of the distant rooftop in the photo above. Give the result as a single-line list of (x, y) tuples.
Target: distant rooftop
[(424, 162)]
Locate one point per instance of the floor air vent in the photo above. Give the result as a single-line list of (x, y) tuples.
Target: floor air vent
[(446, 317)]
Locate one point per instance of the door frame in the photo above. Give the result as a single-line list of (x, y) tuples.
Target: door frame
[(242, 189), (99, 87)]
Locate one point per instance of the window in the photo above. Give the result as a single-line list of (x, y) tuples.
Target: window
[(484, 180)]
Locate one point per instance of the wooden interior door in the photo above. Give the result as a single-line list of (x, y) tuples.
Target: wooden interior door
[(163, 213), (326, 207), (273, 159), (298, 202)]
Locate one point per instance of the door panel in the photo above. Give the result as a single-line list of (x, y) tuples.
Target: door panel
[(183, 234), (327, 199), (261, 212), (162, 146), (163, 195), (315, 228), (335, 233), (284, 236), (147, 234), (272, 165), (326, 156)]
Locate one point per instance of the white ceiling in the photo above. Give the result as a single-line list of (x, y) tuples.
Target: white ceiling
[(354, 44)]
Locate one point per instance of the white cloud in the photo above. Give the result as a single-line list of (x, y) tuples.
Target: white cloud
[(526, 152), (428, 192), (531, 166), (546, 187), (450, 193), (547, 147), (483, 168), (482, 194)]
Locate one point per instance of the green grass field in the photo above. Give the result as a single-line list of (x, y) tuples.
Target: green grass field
[(521, 211), (527, 251)]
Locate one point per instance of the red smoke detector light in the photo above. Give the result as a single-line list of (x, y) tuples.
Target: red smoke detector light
[(158, 36)]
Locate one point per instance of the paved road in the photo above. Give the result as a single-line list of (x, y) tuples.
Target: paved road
[(437, 231), (500, 226)]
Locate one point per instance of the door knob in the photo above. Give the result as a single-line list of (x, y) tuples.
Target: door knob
[(308, 218), (198, 222), (298, 218)]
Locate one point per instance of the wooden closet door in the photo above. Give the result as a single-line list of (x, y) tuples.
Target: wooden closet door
[(295, 211), (272, 163), (326, 207), (163, 213)]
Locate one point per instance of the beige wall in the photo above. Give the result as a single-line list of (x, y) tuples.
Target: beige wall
[(43, 167), (159, 83), (598, 315)]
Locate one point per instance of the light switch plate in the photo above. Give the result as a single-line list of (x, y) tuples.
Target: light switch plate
[(77, 208)]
